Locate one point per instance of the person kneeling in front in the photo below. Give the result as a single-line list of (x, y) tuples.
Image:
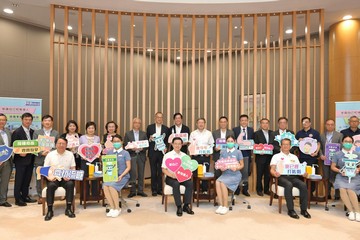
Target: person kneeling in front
[(172, 181), (290, 181), (60, 159)]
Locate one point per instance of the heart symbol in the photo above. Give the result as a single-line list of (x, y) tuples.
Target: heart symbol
[(173, 164), (183, 174), (258, 146), (89, 152), (268, 147), (188, 163)]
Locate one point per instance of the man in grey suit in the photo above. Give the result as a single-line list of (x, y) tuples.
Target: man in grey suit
[(329, 136), (47, 122), (138, 158), (5, 167), (222, 132)]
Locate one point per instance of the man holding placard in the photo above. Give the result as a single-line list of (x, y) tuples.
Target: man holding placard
[(179, 128), (47, 135), (5, 167), (24, 162), (277, 163), (283, 128)]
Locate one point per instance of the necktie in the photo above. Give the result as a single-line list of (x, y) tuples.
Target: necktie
[(244, 136), (28, 135)]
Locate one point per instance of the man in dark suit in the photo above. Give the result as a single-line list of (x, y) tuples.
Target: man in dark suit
[(353, 129), (222, 132), (329, 136), (156, 156), (24, 163), (248, 133), (138, 158), (262, 160), (5, 167), (179, 127), (283, 128)]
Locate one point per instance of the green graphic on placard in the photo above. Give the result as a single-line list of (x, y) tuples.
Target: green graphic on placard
[(26, 146), (110, 170)]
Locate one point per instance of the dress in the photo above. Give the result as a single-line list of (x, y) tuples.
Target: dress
[(343, 181), (122, 157), (231, 178)]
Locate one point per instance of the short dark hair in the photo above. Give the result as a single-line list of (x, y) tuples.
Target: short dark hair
[(264, 119), (223, 117), (347, 136), (107, 124), (305, 118), (177, 114), (200, 119), (27, 114), (231, 136), (308, 143), (177, 138), (71, 122), (62, 138), (243, 116), (91, 123), (330, 119), (3, 115), (116, 136), (353, 117), (282, 118), (46, 117), (285, 139)]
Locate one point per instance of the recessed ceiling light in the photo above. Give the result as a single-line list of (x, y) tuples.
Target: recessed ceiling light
[(150, 50), (134, 25), (69, 27), (289, 31), (347, 17), (8, 11), (209, 51), (112, 39), (178, 58), (246, 42), (235, 27)]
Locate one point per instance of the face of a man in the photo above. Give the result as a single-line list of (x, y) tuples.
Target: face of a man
[(47, 123), (282, 124), (223, 123), (2, 122), (26, 122), (285, 146), (354, 122), (306, 123), (330, 126), (159, 118), (178, 120), (61, 145), (244, 121), (264, 124), (177, 144), (200, 124), (136, 124)]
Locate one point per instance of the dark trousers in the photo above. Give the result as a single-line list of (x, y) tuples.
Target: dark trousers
[(329, 176), (5, 173), (262, 170), (95, 191), (288, 182), (52, 186), (175, 184), (202, 159), (137, 169), (23, 176), (156, 171)]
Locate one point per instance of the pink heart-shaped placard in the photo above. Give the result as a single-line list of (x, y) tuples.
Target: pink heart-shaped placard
[(89, 152), (173, 164), (183, 174)]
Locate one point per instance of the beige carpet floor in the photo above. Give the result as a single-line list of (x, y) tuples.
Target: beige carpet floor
[(150, 221)]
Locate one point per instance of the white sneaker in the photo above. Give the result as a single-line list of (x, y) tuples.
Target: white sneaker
[(116, 213), (109, 214), (218, 210), (351, 216), (224, 211), (357, 216)]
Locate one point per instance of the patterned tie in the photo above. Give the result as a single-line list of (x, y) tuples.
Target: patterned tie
[(244, 136)]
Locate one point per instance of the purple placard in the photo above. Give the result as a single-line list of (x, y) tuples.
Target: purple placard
[(330, 150), (221, 143)]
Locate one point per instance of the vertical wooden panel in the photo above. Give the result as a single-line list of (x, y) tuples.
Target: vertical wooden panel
[(144, 71), (206, 33), (104, 112), (72, 110), (255, 70), (193, 47), (230, 88), (92, 67), (156, 95), (118, 79), (79, 66), (131, 93), (51, 62), (58, 84), (300, 89), (308, 59), (281, 67), (65, 81), (217, 70), (242, 66), (98, 117), (315, 110), (168, 92), (287, 90), (268, 62), (293, 43), (181, 47), (321, 68)]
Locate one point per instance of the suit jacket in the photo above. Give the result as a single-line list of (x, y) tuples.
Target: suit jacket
[(2, 142), (19, 134), (259, 137), (250, 135), (151, 129), (184, 129), (217, 134), (130, 137), (276, 143), (39, 159), (336, 138)]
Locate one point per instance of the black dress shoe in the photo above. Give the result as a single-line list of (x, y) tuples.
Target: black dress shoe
[(267, 193), (49, 215), (188, 210), (29, 200), (293, 214), (5, 204), (132, 194), (154, 194), (337, 198), (69, 213), (142, 194), (179, 211), (305, 214), (20, 203), (260, 193), (329, 197), (276, 196), (237, 191), (159, 192), (246, 193)]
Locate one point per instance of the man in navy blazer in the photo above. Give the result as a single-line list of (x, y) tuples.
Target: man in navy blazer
[(24, 163), (249, 134), (156, 156), (179, 127)]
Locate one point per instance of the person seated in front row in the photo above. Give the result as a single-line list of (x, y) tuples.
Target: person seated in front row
[(348, 190), (290, 181), (230, 177), (112, 189), (171, 180), (60, 159)]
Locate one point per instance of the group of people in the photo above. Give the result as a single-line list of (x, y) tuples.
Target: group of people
[(131, 162)]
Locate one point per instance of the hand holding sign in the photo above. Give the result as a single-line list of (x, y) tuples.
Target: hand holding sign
[(89, 152), (182, 168)]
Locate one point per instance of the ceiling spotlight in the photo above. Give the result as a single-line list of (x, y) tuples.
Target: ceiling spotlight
[(245, 42), (178, 58), (150, 50), (347, 17), (134, 25), (8, 11), (209, 51), (112, 39), (69, 27), (235, 27), (289, 31)]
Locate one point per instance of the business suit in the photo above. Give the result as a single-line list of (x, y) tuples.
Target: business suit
[(262, 163), (156, 158), (138, 159), (216, 154), (39, 159), (184, 129), (276, 144), (23, 165), (5, 170)]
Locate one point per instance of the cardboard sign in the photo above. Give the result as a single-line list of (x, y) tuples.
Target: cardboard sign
[(356, 146), (287, 135), (26, 146), (226, 163), (188, 163), (137, 144), (89, 152), (194, 149), (308, 145), (291, 168), (263, 149), (110, 170), (221, 143), (73, 141), (183, 168), (245, 144), (5, 153), (46, 143), (183, 136), (159, 142), (52, 172), (330, 150)]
